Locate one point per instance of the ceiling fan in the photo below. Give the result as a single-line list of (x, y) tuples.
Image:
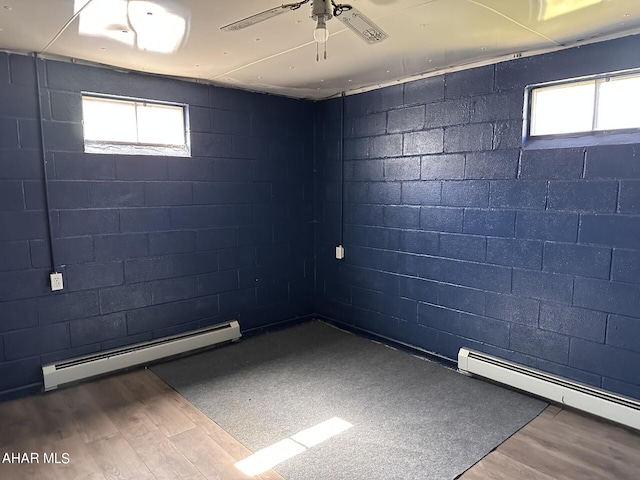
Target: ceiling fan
[(321, 11)]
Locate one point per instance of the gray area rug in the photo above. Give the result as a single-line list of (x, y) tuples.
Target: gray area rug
[(412, 418)]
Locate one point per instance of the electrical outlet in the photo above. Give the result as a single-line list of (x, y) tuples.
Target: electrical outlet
[(56, 281), (339, 252)]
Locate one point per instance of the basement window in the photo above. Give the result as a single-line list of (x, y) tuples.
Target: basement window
[(134, 126), (601, 109)]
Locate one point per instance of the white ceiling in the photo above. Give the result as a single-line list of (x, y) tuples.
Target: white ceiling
[(183, 37)]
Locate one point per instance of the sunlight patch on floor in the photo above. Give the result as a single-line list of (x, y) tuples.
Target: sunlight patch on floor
[(270, 456)]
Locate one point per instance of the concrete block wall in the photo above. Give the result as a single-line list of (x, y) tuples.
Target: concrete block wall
[(149, 246), (456, 235)]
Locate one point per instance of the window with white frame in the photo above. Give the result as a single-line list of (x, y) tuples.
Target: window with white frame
[(134, 126), (608, 103)]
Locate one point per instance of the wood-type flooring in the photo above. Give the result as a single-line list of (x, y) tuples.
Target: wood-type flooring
[(134, 426)]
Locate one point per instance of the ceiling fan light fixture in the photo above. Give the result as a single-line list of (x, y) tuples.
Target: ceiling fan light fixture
[(321, 12), (321, 32)]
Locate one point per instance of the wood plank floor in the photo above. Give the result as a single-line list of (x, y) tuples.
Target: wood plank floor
[(134, 426), (128, 426), (563, 445)]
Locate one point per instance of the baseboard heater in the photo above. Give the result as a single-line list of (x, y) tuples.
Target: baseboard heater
[(602, 403), (88, 366)]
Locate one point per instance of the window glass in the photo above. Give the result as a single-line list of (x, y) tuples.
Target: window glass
[(108, 120), (619, 103), (160, 124), (563, 109), (114, 125), (604, 103)]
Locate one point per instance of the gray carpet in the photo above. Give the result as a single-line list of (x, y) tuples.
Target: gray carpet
[(412, 419)]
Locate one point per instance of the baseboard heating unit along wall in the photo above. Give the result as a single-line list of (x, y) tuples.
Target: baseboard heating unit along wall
[(616, 408), (81, 368)]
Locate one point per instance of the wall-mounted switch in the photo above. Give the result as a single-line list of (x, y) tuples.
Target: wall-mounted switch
[(339, 252), (56, 281)]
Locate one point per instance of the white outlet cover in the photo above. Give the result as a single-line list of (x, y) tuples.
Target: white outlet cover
[(56, 281)]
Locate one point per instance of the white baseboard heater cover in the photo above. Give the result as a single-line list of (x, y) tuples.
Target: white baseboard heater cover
[(88, 366), (617, 408)]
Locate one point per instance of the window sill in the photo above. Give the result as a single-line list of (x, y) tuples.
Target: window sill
[(104, 148), (582, 140)]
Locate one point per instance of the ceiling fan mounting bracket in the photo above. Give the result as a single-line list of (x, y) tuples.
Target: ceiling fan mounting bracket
[(321, 9)]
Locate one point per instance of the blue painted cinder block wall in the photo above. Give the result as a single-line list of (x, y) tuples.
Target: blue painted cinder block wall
[(457, 236), (149, 246)]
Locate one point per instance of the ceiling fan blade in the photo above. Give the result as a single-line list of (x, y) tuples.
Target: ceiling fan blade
[(262, 16), (362, 26), (258, 17)]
